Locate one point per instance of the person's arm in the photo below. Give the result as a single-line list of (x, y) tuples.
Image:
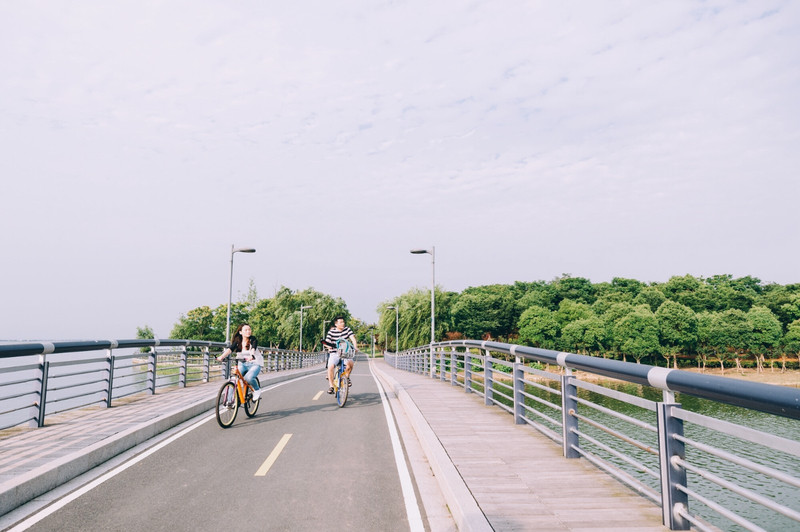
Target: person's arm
[(353, 340), (224, 354)]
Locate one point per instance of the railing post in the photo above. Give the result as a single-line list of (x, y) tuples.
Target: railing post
[(440, 356), (569, 423), (206, 365), (672, 475), (519, 387), (151, 369), (488, 394), (467, 371), (453, 367), (183, 369), (110, 357), (45, 371)]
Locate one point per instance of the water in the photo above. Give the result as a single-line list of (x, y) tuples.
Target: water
[(771, 488)]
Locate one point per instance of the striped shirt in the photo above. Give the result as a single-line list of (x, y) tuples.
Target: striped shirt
[(335, 334)]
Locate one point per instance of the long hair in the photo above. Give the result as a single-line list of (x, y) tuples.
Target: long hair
[(238, 339)]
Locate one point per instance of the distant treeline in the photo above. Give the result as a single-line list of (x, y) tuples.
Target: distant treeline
[(684, 320)]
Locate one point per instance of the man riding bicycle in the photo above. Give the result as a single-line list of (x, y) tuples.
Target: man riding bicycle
[(338, 332)]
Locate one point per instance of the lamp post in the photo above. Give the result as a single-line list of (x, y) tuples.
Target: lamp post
[(230, 289), (302, 308), (396, 329), (372, 332), (432, 253)]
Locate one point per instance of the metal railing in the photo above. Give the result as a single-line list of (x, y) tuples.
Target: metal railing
[(39, 379), (629, 424)]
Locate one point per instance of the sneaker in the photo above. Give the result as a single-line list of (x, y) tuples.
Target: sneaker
[(349, 384), (330, 390), (256, 395)]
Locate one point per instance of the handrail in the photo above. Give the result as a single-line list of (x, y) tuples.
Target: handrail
[(637, 438), (778, 400), (156, 369)]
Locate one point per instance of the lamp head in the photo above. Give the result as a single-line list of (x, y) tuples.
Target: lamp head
[(244, 250), (419, 251)]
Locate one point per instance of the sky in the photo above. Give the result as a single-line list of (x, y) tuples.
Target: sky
[(141, 140)]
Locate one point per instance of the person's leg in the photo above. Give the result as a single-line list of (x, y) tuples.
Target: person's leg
[(252, 376), (333, 359)]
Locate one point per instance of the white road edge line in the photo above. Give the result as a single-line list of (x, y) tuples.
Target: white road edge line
[(412, 509), (35, 518)]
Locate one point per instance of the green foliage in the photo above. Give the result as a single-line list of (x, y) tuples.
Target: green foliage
[(538, 327), (677, 328), (485, 311), (636, 334), (766, 330), (144, 333)]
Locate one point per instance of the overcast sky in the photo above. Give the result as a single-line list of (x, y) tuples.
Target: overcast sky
[(524, 139)]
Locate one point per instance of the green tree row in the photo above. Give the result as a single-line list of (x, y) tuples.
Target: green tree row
[(275, 321), (686, 317)]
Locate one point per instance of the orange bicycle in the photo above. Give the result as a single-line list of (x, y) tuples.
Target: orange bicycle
[(233, 393)]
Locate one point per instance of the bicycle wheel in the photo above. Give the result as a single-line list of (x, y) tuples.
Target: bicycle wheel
[(344, 390), (227, 405), (250, 407)]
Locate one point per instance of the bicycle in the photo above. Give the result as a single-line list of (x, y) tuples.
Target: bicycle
[(341, 389), (235, 392)]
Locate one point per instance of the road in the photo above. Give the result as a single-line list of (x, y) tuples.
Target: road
[(334, 468)]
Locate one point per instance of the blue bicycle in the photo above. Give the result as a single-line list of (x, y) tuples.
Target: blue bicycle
[(341, 386)]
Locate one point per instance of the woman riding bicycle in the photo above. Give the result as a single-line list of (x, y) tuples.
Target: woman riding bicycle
[(245, 345)]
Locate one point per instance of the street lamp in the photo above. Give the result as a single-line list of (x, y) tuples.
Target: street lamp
[(396, 329), (230, 289), (432, 253), (302, 308)]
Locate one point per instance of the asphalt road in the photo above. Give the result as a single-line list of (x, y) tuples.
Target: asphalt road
[(334, 469)]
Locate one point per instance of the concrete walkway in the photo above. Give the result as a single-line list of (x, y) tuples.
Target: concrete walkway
[(501, 476), (490, 473)]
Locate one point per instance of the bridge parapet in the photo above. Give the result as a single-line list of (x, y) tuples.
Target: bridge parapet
[(624, 418), (39, 378)]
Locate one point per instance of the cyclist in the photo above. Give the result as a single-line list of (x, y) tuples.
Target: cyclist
[(338, 332), (245, 345)]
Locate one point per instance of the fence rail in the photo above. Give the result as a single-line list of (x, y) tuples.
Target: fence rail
[(30, 390), (735, 477)]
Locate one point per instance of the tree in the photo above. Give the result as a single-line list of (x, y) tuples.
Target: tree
[(677, 330), (689, 291), (144, 333), (651, 296), (415, 316), (791, 341), (730, 335), (637, 334), (587, 335), (574, 288), (197, 324), (766, 333), (538, 327), (486, 310), (569, 311)]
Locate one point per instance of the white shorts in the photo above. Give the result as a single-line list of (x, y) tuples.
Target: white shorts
[(333, 358)]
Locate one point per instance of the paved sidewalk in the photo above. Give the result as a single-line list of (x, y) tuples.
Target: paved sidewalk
[(501, 476)]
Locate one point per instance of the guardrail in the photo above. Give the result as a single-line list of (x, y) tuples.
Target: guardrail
[(737, 477), (32, 389)]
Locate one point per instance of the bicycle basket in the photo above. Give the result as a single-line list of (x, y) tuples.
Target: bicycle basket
[(344, 348)]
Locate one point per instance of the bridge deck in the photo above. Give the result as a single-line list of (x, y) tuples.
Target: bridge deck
[(493, 474), (519, 478)]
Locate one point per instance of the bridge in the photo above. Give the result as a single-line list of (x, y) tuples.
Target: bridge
[(407, 452)]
